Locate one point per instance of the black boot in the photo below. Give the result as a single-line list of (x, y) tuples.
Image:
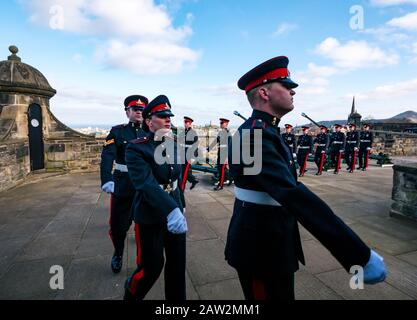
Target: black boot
[(116, 263), (193, 184)]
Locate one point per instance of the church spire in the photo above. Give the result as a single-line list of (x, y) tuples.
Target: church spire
[(353, 106)]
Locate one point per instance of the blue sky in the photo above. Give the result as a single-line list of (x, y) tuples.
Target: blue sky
[(96, 52)]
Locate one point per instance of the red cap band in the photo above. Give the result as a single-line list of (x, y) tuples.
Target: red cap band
[(276, 73)]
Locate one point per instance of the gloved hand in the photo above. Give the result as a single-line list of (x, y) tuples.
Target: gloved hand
[(108, 187), (323, 151), (355, 149), (176, 222), (374, 271), (294, 155), (368, 148)]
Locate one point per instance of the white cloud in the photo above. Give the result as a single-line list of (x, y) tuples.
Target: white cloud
[(355, 54), (385, 34), (284, 28), (386, 3), (399, 89), (124, 25), (407, 22)]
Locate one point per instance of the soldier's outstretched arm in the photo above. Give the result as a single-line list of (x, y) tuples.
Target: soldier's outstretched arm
[(313, 213), (108, 155), (143, 180)]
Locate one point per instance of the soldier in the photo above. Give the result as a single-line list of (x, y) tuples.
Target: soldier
[(337, 146), (222, 140), (118, 184), (305, 148), (322, 141), (191, 141), (366, 140), (155, 171), (352, 147), (263, 241), (289, 139)]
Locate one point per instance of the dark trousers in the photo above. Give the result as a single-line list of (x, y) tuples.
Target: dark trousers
[(222, 172), (187, 173), (151, 242), (349, 157), (363, 157), (120, 221), (267, 287), (319, 158), (301, 159), (335, 154)]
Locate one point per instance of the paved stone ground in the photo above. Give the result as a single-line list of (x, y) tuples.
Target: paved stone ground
[(63, 220)]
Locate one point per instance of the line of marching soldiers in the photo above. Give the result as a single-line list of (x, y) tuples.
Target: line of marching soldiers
[(335, 146)]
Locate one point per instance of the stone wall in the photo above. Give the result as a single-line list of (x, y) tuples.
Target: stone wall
[(396, 145), (14, 163), (404, 192), (73, 154)]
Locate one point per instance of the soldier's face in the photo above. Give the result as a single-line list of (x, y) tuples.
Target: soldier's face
[(288, 130), (156, 123), (323, 130), (134, 115), (187, 124), (281, 98), (223, 125)]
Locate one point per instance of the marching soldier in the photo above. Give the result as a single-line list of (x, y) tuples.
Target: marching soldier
[(118, 183), (155, 171), (222, 140), (263, 241), (352, 147), (305, 147), (322, 141), (289, 139), (337, 145), (366, 140), (191, 141)]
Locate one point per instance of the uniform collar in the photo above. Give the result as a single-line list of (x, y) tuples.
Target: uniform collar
[(266, 117), (134, 124)]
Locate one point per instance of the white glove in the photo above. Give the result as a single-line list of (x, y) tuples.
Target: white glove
[(374, 271), (356, 149), (368, 148), (294, 155), (108, 187), (176, 222), (323, 151)]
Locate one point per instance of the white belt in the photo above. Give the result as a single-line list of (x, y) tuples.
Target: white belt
[(121, 167), (338, 142), (351, 142), (169, 187), (258, 197), (365, 140), (304, 147), (321, 145)]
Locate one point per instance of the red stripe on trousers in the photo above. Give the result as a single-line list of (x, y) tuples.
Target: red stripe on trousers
[(222, 175), (135, 280), (338, 161), (259, 292), (184, 178), (321, 163), (367, 158), (138, 246), (354, 161), (303, 170)]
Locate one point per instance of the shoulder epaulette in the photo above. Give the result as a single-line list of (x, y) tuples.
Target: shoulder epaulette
[(258, 124), (119, 126), (139, 140)]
